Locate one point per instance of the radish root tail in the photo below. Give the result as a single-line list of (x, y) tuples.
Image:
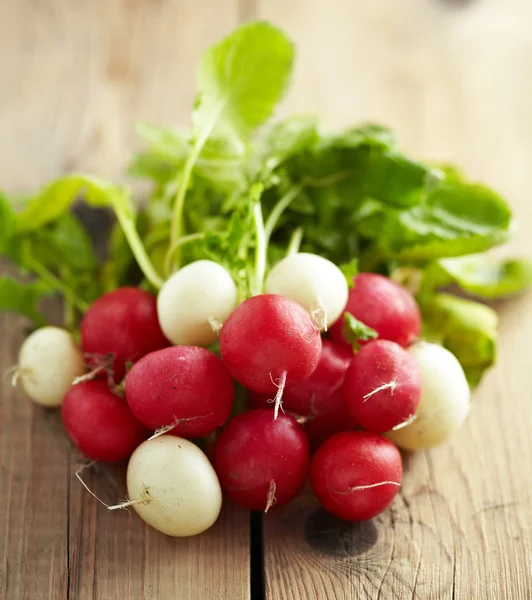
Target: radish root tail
[(391, 385), (361, 488), (270, 499), (215, 324), (320, 317), (104, 364), (166, 428), (15, 373), (279, 384), (144, 499), (409, 421), (162, 430)]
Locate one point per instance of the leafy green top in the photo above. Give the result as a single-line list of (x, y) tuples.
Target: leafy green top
[(245, 198)]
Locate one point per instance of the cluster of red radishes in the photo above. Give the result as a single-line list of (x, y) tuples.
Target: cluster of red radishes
[(308, 392)]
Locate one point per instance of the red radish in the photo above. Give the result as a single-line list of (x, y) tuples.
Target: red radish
[(382, 386), (356, 474), (383, 305), (331, 416), (302, 398), (319, 400), (186, 389), (269, 341), (100, 423), (261, 461), (122, 323)]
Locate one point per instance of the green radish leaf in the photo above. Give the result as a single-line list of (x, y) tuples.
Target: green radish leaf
[(241, 79), (467, 328), (285, 140), (64, 242), (355, 331), (57, 197), (7, 222), (487, 277), (23, 298), (350, 270), (456, 218)]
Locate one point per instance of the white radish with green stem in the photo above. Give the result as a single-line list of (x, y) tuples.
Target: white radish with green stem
[(49, 361), (194, 303)]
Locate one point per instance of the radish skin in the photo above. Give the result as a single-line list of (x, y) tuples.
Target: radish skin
[(382, 387), (445, 399), (194, 300), (173, 487), (100, 423), (312, 281), (356, 474), (383, 305), (122, 323), (269, 341), (184, 389), (261, 461), (49, 361)]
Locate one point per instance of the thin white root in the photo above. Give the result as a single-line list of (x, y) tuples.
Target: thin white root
[(104, 365), (215, 324), (320, 317), (361, 488), (78, 475), (279, 384), (391, 385), (409, 421), (270, 500), (15, 373), (166, 428), (162, 430), (145, 499)]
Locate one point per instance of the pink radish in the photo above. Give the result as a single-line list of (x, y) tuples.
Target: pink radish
[(382, 386), (100, 423), (356, 474), (122, 323), (184, 389), (383, 305), (261, 461), (268, 342)]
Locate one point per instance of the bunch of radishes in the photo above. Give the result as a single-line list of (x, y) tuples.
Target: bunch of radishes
[(310, 390)]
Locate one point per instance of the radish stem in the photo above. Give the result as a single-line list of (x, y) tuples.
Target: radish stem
[(295, 241), (261, 248)]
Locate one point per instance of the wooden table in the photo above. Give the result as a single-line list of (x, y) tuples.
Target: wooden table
[(455, 80)]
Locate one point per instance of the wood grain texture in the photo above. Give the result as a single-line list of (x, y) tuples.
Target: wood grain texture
[(75, 77), (455, 82)]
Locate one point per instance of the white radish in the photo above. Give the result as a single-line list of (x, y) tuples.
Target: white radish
[(49, 361), (194, 303), (173, 487), (312, 281), (445, 399)]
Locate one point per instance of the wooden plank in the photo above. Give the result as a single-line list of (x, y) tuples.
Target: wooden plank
[(453, 80), (76, 76)]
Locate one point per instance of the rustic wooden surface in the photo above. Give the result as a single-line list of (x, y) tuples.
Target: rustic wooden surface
[(454, 78)]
